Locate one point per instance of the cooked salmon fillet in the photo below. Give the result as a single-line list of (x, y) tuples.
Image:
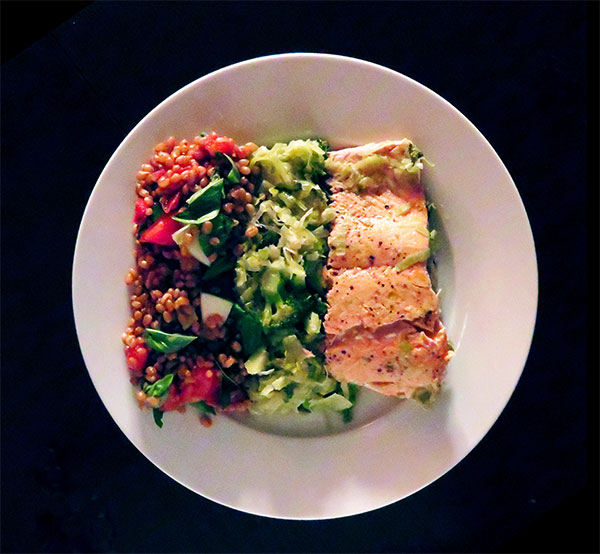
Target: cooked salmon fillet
[(369, 241), (395, 360), (395, 204), (383, 326), (371, 166), (378, 296)]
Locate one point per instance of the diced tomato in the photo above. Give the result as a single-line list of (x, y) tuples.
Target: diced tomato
[(158, 174), (136, 358), (224, 145), (172, 402), (161, 231), (170, 204), (140, 211), (203, 383), (214, 143), (198, 152)]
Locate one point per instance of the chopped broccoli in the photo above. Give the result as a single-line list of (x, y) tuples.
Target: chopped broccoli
[(280, 280)]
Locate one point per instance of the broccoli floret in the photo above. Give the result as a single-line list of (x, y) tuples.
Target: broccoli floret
[(278, 314), (284, 312), (280, 308)]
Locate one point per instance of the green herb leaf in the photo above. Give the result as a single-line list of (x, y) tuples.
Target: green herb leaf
[(205, 204), (251, 330), (158, 416), (204, 407), (161, 387), (233, 176), (221, 265), (214, 185), (166, 342), (157, 212), (222, 226), (188, 217)]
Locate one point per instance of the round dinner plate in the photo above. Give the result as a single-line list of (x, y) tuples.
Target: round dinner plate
[(315, 467)]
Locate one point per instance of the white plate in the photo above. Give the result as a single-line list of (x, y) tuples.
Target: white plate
[(315, 468)]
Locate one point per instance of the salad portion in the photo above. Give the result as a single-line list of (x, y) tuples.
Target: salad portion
[(227, 293), (279, 279)]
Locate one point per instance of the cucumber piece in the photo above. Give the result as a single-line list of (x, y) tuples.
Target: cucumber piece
[(211, 304), (257, 362), (194, 247)]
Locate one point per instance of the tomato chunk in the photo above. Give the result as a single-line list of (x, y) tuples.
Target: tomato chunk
[(140, 211), (136, 358), (213, 143), (161, 231), (172, 402), (203, 383), (170, 204)]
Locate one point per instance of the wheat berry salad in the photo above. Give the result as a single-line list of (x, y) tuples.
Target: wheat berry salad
[(283, 278)]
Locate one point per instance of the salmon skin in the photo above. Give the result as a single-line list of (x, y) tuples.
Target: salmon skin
[(383, 325)]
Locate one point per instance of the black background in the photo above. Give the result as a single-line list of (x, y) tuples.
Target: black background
[(72, 482)]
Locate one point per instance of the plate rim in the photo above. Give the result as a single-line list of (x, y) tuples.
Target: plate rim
[(532, 318)]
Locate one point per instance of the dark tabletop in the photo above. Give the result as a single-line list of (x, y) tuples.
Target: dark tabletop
[(71, 481)]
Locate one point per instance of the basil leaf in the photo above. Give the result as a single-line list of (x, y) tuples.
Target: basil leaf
[(215, 183), (216, 268), (250, 328), (161, 387), (158, 416), (204, 203), (222, 226), (188, 217), (157, 212), (204, 407), (234, 175), (166, 342)]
